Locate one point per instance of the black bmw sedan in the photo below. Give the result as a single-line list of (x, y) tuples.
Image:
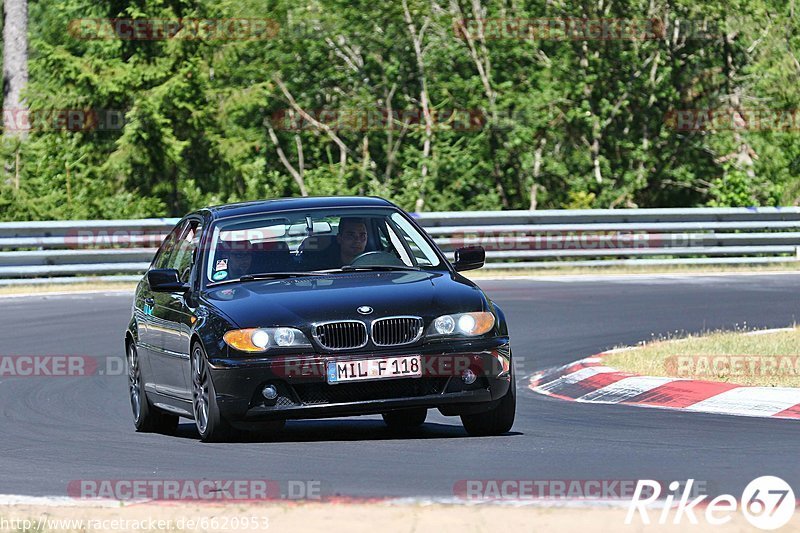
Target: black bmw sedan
[(255, 313)]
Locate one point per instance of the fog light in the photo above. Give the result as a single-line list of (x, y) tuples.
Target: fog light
[(270, 392), (468, 376)]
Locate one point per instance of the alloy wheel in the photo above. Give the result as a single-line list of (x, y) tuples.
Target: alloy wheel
[(200, 390), (134, 382)]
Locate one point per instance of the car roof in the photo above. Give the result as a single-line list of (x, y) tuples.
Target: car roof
[(282, 204)]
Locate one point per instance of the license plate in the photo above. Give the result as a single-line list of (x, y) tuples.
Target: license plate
[(408, 366)]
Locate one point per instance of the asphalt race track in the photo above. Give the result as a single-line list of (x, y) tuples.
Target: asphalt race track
[(58, 429)]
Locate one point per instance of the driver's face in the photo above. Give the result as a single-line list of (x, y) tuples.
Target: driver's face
[(240, 263), (353, 239)]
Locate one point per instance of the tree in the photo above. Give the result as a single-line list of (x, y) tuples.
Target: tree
[(15, 72), (434, 104)]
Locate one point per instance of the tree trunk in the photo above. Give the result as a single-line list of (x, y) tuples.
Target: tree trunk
[(416, 41), (15, 63)]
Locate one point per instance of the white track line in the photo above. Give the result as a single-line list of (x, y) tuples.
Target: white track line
[(749, 401), (61, 501), (542, 502), (575, 377), (55, 501), (625, 389)]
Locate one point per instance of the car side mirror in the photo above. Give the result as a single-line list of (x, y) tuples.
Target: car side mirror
[(166, 280), (469, 258)]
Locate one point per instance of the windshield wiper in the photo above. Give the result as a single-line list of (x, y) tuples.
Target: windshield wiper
[(388, 268), (269, 275), (279, 275)]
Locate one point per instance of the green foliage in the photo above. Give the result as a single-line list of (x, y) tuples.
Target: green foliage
[(579, 123), (732, 189)]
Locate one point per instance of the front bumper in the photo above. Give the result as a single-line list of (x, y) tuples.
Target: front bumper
[(303, 391)]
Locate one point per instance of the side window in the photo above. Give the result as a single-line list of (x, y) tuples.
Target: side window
[(418, 255), (423, 253), (392, 243), (182, 257), (383, 238), (164, 253)]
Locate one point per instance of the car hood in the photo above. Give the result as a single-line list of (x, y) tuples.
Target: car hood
[(301, 301)]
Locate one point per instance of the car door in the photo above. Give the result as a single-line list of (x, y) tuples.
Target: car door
[(167, 364), (150, 328), (177, 316)]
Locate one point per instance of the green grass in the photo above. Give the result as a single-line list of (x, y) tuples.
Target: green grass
[(766, 359)]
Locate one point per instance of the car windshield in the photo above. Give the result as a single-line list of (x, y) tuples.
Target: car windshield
[(321, 241)]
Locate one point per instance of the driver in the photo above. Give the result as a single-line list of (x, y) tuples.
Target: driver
[(234, 260), (239, 263), (352, 238)]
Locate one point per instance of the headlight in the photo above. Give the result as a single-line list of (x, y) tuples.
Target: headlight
[(260, 339), (468, 324), (263, 339), (444, 325)]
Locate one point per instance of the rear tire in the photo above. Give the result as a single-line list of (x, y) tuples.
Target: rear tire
[(210, 423), (146, 417), (496, 421), (406, 418)]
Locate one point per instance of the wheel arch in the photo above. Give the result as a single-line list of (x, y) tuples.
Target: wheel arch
[(502, 324), (196, 339)]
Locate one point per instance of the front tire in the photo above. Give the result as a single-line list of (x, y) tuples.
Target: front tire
[(210, 423), (146, 418), (496, 421), (406, 418)]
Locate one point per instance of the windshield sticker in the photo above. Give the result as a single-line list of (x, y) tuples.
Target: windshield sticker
[(222, 264), (219, 276)]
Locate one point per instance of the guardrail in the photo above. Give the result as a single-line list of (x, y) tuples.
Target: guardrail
[(610, 237), (69, 251)]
